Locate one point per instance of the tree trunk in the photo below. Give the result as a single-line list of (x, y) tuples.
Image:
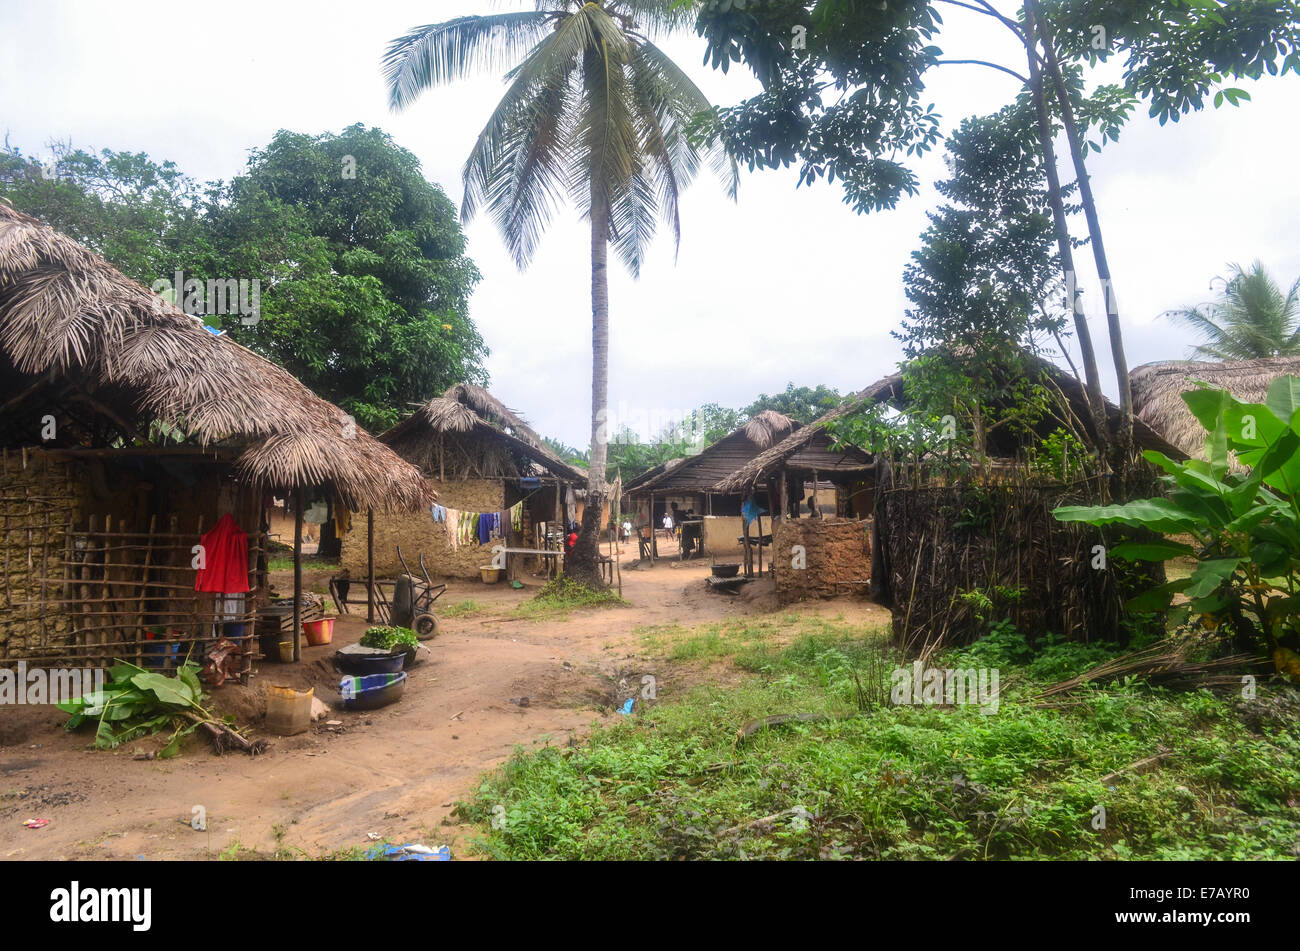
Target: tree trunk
[(583, 564), (1124, 437), (1096, 403)]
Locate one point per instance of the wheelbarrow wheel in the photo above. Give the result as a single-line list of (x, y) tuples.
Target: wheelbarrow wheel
[(425, 626)]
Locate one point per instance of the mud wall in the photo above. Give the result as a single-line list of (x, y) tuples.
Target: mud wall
[(836, 558), (721, 532), (417, 532)]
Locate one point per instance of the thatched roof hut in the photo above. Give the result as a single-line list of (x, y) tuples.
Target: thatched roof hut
[(1158, 389), (80, 341), (700, 472), (810, 447), (812, 444), (468, 433)]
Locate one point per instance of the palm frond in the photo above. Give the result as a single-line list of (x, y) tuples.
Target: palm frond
[(688, 103), (605, 133), (437, 53)]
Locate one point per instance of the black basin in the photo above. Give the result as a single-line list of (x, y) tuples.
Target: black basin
[(361, 663)]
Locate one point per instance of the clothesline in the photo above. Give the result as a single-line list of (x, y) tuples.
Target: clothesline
[(468, 528)]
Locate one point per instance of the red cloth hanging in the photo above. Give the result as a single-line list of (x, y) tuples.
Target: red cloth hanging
[(225, 557)]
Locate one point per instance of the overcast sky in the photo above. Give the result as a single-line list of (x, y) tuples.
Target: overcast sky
[(785, 285)]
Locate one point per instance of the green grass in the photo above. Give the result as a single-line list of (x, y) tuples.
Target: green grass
[(555, 599), (462, 608), (877, 780), (309, 563)]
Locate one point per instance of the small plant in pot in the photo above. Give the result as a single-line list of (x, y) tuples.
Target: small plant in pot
[(396, 640)]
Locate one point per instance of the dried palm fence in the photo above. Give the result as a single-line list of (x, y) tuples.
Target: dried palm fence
[(957, 558)]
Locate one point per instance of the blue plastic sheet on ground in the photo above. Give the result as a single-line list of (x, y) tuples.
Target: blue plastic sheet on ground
[(409, 853)]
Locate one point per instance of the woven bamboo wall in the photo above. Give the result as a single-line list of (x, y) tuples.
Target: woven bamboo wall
[(40, 496)]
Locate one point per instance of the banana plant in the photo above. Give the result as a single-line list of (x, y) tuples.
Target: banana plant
[(1243, 519)]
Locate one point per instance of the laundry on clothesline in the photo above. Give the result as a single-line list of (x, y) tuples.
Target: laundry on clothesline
[(477, 528)]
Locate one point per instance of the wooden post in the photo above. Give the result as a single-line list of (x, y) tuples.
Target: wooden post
[(759, 519), (749, 555), (370, 565), (654, 535), (297, 575), (785, 494)]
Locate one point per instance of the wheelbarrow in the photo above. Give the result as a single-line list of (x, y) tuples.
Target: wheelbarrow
[(413, 600)]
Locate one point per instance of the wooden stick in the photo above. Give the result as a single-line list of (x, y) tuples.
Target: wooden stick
[(370, 563), (1140, 766), (297, 576)]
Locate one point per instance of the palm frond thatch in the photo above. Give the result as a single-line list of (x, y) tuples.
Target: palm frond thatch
[(766, 427), (466, 409), (69, 316), (1158, 390)]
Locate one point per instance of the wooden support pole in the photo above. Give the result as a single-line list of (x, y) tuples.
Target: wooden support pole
[(297, 575), (370, 566)]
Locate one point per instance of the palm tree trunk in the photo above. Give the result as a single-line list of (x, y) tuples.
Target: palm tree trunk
[(583, 563), (1092, 379), (1124, 438)]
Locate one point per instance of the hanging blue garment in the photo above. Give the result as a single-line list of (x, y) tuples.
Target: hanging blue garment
[(751, 510), (484, 528), (439, 513)]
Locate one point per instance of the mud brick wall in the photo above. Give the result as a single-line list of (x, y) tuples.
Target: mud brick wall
[(837, 555), (39, 495), (417, 532)]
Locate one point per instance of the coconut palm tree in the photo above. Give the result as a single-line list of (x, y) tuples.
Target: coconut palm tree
[(1251, 318), (593, 111)]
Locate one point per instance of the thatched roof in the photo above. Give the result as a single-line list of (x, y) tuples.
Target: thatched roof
[(891, 390), (699, 472), (469, 410), (767, 426), (741, 479), (1158, 390), (70, 323)]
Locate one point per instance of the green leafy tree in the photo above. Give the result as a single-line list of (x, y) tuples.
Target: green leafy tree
[(594, 113), (843, 83), (803, 404), (134, 212), (704, 425), (1252, 318), (364, 282), (566, 452), (981, 289), (368, 283)]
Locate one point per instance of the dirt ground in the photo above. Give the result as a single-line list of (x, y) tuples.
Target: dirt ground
[(393, 773)]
